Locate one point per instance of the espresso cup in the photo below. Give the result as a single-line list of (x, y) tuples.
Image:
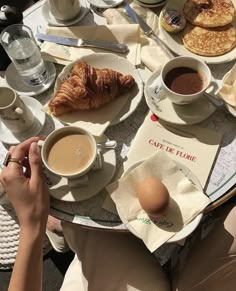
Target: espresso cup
[(69, 152), (64, 9), (184, 79), (15, 115)]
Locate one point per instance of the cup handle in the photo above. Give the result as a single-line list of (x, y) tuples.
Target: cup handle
[(19, 111), (40, 143), (213, 87)]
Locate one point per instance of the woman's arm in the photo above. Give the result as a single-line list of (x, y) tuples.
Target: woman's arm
[(27, 272), (28, 194)]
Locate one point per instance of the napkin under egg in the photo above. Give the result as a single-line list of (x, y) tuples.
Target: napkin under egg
[(187, 201)]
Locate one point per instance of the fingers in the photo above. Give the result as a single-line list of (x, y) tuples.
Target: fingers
[(35, 163), (19, 152)]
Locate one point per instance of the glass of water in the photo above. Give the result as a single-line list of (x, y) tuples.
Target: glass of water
[(19, 43)]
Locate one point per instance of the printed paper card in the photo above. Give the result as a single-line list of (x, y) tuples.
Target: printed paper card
[(191, 145)]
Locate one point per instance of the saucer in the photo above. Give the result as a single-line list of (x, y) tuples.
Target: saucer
[(160, 104), (6, 136), (15, 81), (192, 225), (105, 3), (97, 180), (56, 22), (153, 5)]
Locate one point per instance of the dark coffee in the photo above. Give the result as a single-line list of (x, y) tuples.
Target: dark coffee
[(183, 80)]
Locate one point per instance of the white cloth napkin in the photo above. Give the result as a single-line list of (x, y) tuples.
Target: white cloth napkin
[(228, 89), (187, 201), (152, 56), (128, 34)]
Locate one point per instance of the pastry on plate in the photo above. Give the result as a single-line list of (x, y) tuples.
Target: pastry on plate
[(89, 88), (209, 42), (209, 13)]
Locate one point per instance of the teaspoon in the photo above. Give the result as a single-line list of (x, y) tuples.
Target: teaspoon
[(110, 144)]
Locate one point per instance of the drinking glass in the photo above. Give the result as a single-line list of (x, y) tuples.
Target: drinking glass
[(19, 43)]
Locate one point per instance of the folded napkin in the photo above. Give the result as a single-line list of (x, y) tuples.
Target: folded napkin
[(128, 34), (228, 89), (187, 201), (152, 56)]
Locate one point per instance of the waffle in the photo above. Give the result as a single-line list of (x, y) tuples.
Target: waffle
[(209, 41), (209, 13)]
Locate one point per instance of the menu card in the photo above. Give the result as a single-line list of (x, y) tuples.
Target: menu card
[(191, 145)]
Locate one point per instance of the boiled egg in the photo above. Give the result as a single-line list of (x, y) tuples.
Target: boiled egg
[(153, 196)]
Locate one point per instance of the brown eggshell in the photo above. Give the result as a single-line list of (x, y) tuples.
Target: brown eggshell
[(153, 196)]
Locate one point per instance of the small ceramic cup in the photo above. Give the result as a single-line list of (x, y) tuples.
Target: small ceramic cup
[(64, 9), (179, 62), (60, 156), (15, 115)]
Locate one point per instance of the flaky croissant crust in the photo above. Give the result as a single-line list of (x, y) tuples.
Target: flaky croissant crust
[(89, 88)]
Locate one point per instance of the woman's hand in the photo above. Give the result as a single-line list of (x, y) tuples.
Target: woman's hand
[(27, 189)]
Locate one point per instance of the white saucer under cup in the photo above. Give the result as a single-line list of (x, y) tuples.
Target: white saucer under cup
[(60, 189), (15, 81), (105, 3), (161, 105)]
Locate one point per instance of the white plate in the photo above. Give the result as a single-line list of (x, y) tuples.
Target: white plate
[(175, 43), (98, 179), (157, 4), (161, 105), (191, 226), (132, 98), (56, 22), (105, 3), (15, 81), (6, 136)]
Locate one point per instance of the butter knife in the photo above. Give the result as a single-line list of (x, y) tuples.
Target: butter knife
[(148, 30), (78, 42)]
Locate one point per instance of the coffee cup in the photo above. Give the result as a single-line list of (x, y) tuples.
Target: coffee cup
[(15, 115), (184, 79), (69, 152), (64, 9)]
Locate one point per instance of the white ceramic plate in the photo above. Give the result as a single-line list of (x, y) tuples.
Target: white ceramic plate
[(98, 179), (175, 43), (161, 105), (129, 104), (56, 22), (6, 136), (105, 3), (15, 81), (191, 226), (153, 5)]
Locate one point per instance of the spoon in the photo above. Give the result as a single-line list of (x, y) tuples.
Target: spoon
[(110, 144)]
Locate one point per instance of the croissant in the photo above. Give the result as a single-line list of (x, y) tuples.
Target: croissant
[(89, 88)]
